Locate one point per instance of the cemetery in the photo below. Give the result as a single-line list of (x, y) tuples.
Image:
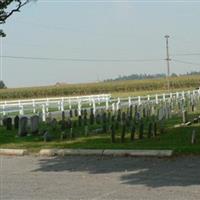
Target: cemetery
[(167, 121)]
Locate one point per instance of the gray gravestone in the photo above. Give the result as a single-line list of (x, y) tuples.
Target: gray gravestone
[(34, 125), (184, 116), (23, 126)]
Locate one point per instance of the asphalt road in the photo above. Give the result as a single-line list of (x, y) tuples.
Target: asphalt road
[(97, 178)]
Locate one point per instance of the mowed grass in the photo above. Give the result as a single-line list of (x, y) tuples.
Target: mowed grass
[(117, 88), (177, 139)]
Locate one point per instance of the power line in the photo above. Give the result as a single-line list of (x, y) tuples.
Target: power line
[(80, 59), (185, 62), (187, 54)]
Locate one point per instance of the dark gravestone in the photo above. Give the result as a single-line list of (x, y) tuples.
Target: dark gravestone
[(69, 123), (85, 120), (63, 115), (91, 117), (80, 121), (154, 129), (34, 125), (113, 133), (23, 126), (133, 132), (136, 111), (62, 125), (104, 120), (4, 121), (131, 112), (150, 130), (119, 115), (98, 119), (123, 132), (108, 117), (53, 124), (76, 113), (123, 117), (9, 123), (16, 122), (141, 130), (144, 112), (70, 113)]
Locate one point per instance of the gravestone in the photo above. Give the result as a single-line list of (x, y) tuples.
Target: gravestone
[(98, 118), (63, 115), (23, 126), (91, 116), (104, 120), (113, 133), (141, 130), (9, 123), (195, 120), (53, 124), (76, 113), (154, 128), (123, 132), (47, 136), (63, 135), (16, 122), (123, 117), (150, 130), (79, 120), (193, 138), (119, 115), (161, 114), (4, 121), (34, 124), (131, 112), (184, 117), (70, 113), (133, 132), (69, 123)]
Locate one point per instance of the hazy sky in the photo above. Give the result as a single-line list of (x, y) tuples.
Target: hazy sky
[(98, 30)]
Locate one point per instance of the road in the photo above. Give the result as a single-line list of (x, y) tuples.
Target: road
[(74, 177)]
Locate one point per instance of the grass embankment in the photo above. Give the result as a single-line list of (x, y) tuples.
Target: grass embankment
[(177, 139), (118, 88)]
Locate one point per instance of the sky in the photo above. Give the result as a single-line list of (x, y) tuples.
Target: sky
[(96, 39)]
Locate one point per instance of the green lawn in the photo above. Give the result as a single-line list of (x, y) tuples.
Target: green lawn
[(177, 139)]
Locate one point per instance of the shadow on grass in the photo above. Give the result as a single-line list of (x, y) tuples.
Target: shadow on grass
[(151, 172)]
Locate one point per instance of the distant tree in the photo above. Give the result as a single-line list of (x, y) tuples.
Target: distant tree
[(173, 75), (2, 85), (8, 8)]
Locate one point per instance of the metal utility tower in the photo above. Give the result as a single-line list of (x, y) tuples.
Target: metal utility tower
[(167, 59)]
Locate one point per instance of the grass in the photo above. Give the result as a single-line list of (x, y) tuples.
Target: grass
[(177, 139)]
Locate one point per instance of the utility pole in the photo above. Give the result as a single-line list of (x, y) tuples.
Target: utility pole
[(1, 55), (1, 61), (167, 59)]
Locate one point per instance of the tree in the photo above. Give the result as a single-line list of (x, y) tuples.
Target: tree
[(2, 85), (8, 8)]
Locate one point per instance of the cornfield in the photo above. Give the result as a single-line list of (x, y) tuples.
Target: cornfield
[(102, 87)]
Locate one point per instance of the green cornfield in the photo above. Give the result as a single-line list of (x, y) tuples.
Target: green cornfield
[(101, 87)]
